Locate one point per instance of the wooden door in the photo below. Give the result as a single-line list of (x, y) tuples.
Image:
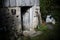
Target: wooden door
[(30, 19)]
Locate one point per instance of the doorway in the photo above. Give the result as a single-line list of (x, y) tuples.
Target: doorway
[(23, 11)]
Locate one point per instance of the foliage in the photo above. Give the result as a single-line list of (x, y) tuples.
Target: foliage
[(51, 7), (42, 28)]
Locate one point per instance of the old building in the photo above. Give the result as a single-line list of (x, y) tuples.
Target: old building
[(20, 14)]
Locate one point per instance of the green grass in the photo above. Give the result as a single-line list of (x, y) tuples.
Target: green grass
[(42, 28)]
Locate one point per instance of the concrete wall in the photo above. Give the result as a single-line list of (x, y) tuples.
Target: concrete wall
[(11, 19), (10, 22), (16, 17)]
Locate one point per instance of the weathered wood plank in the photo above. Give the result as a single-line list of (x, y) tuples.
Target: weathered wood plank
[(12, 3), (37, 2), (6, 3), (26, 20)]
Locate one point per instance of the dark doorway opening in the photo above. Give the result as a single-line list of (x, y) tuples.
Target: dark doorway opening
[(23, 11)]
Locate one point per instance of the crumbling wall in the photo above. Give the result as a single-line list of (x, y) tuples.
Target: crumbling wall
[(10, 22)]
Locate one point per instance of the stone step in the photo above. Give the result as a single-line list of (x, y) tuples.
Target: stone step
[(31, 33)]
